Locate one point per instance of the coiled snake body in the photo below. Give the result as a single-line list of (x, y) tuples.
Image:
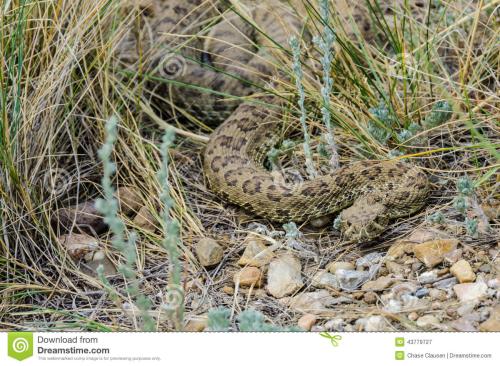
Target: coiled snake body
[(368, 193)]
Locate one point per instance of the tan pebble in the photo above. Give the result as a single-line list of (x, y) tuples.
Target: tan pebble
[(79, 245), (197, 324), (129, 199), (256, 253), (332, 267), (431, 253), (209, 252), (307, 321), (248, 276), (463, 271), (145, 219), (228, 290), (370, 298), (413, 316), (493, 322)]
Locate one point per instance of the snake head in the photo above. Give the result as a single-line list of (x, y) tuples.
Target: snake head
[(364, 220)]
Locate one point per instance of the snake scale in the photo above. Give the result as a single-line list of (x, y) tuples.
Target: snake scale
[(368, 194)]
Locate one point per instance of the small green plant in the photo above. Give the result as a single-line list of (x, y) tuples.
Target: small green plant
[(325, 44), (297, 71), (171, 240), (248, 321), (108, 207), (441, 112)]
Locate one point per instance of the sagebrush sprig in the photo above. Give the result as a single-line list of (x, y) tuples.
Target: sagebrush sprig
[(108, 207), (297, 71), (325, 44), (171, 230)]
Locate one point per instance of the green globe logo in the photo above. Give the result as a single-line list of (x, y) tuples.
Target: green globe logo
[(20, 345)]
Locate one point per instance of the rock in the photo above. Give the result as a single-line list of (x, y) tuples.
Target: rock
[(431, 253), (422, 292), (256, 253), (375, 323), (128, 200), (350, 280), (470, 291), (332, 267), (437, 294), (145, 219), (370, 298), (445, 283), (428, 322), (306, 321), (453, 256), (463, 271), (403, 288), (395, 268), (209, 252), (335, 325), (85, 217), (494, 283), (396, 251), (228, 290), (324, 279), (196, 324), (98, 259), (466, 308), (79, 246), (321, 222), (413, 316), (311, 302), (462, 325), (493, 322), (284, 277), (248, 277), (379, 284), (369, 260), (428, 277), (393, 306)]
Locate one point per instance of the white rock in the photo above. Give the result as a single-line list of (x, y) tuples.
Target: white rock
[(324, 279), (428, 322), (470, 291), (428, 277), (284, 276)]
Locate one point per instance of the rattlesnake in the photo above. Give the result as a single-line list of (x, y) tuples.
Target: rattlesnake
[(368, 193)]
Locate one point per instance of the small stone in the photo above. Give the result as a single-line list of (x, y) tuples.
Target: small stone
[(369, 260), (306, 321), (470, 291), (128, 200), (463, 271), (370, 298), (196, 324), (284, 277), (332, 267), (437, 294), (248, 277), (453, 256), (321, 222), (486, 268), (256, 253), (209, 252), (79, 246), (445, 283), (431, 253), (311, 302), (462, 325), (413, 316), (145, 219), (421, 292), (375, 323), (428, 277), (395, 251), (494, 283), (393, 306), (94, 260), (350, 280), (493, 322), (466, 308), (428, 322), (324, 279), (379, 284), (335, 325), (228, 290), (395, 268)]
